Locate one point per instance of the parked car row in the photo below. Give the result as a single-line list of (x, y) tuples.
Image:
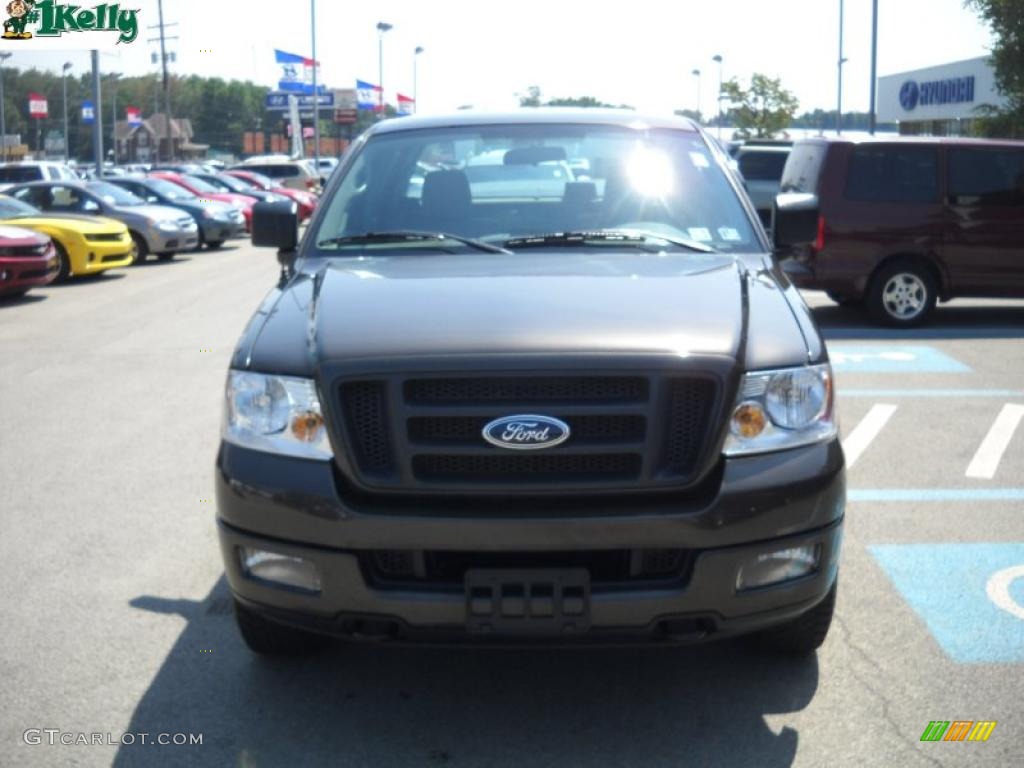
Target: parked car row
[(123, 217)]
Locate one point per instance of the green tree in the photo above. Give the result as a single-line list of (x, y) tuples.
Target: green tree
[(532, 97), (763, 109), (1006, 19)]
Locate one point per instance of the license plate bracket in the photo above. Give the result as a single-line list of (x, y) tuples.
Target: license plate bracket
[(527, 601)]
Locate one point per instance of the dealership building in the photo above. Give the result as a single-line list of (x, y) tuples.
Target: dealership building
[(938, 101)]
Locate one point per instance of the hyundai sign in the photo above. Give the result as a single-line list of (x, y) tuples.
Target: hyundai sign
[(947, 92)]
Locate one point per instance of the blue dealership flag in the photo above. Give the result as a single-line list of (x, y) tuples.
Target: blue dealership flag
[(296, 72), (368, 95)]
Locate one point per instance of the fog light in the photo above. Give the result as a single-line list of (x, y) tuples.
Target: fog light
[(776, 567), (280, 569)]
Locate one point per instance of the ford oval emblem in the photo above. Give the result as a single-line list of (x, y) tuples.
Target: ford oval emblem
[(527, 432)]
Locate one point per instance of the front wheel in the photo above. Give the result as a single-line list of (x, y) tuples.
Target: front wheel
[(902, 294), (140, 250), (802, 635), (64, 265), (166, 256), (268, 638)]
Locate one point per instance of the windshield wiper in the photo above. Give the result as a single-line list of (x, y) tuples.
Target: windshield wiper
[(626, 237), (410, 236)]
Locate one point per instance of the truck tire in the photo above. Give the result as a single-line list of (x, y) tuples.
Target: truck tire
[(802, 635), (902, 294), (268, 638)]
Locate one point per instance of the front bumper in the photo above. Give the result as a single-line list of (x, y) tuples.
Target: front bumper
[(764, 504), (160, 241), (216, 231), (17, 274)]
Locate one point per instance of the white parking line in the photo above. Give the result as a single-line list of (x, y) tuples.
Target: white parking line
[(860, 438), (990, 452)]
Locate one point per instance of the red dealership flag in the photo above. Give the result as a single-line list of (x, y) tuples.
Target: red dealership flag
[(406, 104)]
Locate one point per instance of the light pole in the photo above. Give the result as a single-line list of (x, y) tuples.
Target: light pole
[(717, 58), (316, 94), (696, 74), (415, 96), (874, 65), (839, 86), (64, 83), (113, 130), (382, 28), (3, 115)]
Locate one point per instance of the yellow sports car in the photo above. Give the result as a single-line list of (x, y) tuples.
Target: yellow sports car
[(85, 244)]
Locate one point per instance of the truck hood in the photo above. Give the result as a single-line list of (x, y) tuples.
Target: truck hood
[(347, 309), (533, 302)]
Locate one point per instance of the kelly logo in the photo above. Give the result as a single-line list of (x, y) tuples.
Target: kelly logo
[(55, 19), (958, 730)]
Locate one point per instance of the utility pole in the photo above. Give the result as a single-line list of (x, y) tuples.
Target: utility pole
[(167, 89), (3, 115), (97, 126), (64, 83), (872, 113), (113, 131)]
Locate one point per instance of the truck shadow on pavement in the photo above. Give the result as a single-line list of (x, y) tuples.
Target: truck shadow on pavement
[(948, 322), (372, 705)]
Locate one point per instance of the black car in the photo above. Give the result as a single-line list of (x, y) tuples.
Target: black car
[(217, 221), (596, 413)]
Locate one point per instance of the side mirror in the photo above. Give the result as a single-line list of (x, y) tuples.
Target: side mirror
[(795, 219), (276, 225)]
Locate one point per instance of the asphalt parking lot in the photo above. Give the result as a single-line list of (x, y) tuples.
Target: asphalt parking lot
[(116, 620)]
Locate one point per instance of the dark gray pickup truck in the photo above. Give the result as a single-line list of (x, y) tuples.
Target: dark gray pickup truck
[(569, 398)]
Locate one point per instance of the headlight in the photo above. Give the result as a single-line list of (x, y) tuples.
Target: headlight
[(276, 414), (167, 225), (782, 409)]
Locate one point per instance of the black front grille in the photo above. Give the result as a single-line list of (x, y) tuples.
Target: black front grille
[(365, 407), (539, 468), (689, 416), (404, 567), (628, 432), (466, 430), (104, 237), (517, 390)]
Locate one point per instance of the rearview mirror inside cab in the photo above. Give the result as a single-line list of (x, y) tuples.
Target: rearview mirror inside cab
[(794, 220)]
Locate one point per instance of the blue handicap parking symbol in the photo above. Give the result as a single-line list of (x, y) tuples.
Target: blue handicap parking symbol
[(971, 596), (892, 358)]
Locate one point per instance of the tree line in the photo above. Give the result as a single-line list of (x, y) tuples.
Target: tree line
[(220, 110)]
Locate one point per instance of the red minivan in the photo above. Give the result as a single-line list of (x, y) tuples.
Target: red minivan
[(905, 222)]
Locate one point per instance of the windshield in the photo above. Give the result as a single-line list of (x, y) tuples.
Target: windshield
[(9, 208), (200, 186), (231, 183), (496, 183), (169, 190), (257, 180), (114, 195)]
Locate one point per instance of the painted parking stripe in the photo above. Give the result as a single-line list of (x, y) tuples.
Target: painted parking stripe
[(892, 358), (867, 430), (934, 494), (970, 596), (990, 452)]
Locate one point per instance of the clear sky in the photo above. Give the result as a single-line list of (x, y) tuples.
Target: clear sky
[(638, 52)]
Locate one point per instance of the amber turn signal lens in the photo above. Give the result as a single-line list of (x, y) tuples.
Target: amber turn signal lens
[(306, 426), (748, 421)]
